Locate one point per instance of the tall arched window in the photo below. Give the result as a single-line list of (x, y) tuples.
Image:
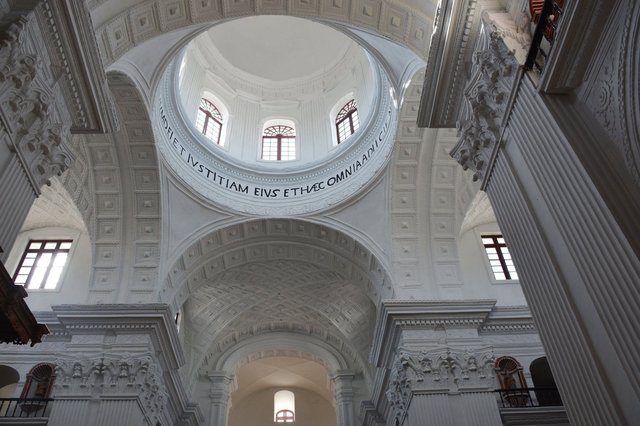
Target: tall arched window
[(209, 121), (347, 121), (284, 407), (279, 143), (39, 381)]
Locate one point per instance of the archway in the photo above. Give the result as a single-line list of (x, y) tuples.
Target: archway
[(543, 382)]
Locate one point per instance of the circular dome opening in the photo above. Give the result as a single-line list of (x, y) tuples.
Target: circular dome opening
[(299, 136), (268, 91)]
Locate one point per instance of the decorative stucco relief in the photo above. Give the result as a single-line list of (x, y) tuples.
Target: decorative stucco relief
[(486, 95), (445, 369), (26, 108), (114, 374)]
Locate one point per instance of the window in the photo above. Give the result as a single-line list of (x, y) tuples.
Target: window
[(284, 406), (42, 263), (279, 143), (499, 257), (347, 121), (209, 121)]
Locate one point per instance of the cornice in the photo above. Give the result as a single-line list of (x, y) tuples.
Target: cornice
[(154, 319), (397, 315), (74, 48)]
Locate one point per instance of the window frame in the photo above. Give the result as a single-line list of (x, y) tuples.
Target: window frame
[(349, 109), (285, 416), (39, 253), (208, 116), (494, 236), (279, 142)]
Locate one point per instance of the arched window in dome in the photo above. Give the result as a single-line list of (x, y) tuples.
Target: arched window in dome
[(347, 121), (209, 121), (279, 143)]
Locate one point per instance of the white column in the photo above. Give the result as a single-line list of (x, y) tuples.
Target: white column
[(568, 209), (221, 388), (343, 389)]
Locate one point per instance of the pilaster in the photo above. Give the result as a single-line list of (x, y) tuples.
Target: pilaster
[(432, 361), (342, 382), (220, 395)]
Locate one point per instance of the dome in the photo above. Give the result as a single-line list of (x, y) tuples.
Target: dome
[(298, 117)]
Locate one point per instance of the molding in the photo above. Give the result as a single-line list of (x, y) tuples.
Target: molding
[(509, 320), (455, 30), (154, 319), (526, 416), (71, 40), (397, 315)]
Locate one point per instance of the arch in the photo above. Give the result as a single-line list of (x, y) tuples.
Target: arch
[(125, 28), (510, 375), (279, 344), (39, 382), (124, 190), (9, 378), (544, 383)]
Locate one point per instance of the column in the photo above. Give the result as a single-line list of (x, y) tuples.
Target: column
[(343, 389), (221, 388), (569, 212), (443, 386)]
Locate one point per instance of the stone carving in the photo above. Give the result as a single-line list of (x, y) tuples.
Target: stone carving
[(485, 99), (26, 108), (399, 391), (444, 369), (111, 374)]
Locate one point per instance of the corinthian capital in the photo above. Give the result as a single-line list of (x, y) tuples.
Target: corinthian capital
[(484, 102)]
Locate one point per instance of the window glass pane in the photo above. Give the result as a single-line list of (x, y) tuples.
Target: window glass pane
[(54, 276), (36, 278), (60, 259), (501, 241), (43, 263), (500, 276), (487, 241), (44, 260)]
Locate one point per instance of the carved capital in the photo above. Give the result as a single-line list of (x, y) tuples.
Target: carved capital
[(486, 96), (114, 374), (26, 109), (443, 370)]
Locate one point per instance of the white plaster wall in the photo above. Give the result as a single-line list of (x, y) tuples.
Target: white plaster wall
[(74, 282), (476, 272), (257, 409)]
